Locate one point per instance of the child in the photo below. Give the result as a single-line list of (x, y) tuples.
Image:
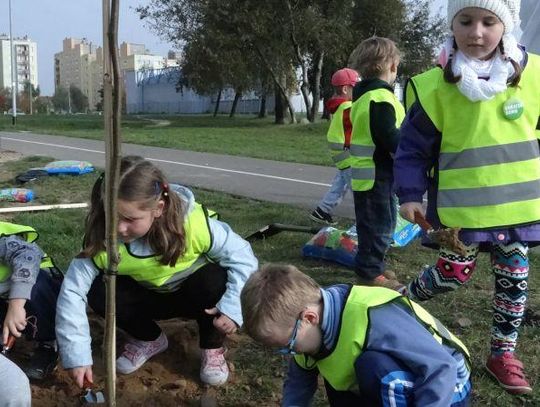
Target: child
[(372, 346), (339, 142), (14, 385), (175, 261), (376, 115), (29, 286), (471, 140)]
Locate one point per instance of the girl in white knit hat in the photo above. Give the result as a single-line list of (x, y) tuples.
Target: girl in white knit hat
[(471, 140)]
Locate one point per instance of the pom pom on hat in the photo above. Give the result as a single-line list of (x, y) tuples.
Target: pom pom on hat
[(506, 10)]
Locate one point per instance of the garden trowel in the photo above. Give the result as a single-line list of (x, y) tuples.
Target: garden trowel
[(90, 396)]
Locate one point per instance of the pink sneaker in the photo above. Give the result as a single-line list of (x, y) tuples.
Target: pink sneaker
[(137, 352), (214, 369), (508, 371)]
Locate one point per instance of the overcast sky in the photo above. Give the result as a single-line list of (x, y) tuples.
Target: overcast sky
[(49, 22)]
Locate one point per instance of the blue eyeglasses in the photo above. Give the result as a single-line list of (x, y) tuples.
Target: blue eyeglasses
[(289, 348)]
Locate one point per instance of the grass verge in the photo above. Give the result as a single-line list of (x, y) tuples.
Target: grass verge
[(243, 135), (259, 372)]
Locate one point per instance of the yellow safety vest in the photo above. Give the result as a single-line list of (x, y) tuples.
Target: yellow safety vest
[(149, 272), (338, 367), (27, 233), (489, 166), (336, 138), (362, 146)]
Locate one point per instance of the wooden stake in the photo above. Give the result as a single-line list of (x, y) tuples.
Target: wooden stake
[(112, 92), (43, 207)]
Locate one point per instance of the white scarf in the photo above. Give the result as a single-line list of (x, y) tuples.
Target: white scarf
[(482, 80)]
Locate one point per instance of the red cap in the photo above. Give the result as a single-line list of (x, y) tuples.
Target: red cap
[(345, 76)]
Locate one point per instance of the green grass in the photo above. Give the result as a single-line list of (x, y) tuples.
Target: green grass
[(243, 135), (258, 371)]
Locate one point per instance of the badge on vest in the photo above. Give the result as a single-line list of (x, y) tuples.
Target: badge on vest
[(513, 109)]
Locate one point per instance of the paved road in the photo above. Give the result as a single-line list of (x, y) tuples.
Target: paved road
[(298, 184)]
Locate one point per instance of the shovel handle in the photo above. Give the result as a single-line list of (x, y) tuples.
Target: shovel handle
[(422, 222)]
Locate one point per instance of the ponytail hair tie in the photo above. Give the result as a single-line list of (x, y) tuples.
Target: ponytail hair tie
[(165, 187)]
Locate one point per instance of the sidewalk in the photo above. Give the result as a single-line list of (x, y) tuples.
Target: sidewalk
[(296, 184)]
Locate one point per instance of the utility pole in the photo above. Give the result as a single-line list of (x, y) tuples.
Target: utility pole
[(30, 90), (14, 90)]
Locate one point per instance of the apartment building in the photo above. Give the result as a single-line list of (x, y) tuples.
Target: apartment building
[(76, 65), (135, 57), (81, 63), (25, 60)]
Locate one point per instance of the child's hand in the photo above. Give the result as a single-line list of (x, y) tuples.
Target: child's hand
[(222, 322), (79, 374), (15, 320), (407, 210)]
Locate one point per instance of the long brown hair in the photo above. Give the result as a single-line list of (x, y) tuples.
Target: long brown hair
[(451, 78), (142, 182)]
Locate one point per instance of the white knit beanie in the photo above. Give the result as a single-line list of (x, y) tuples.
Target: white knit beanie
[(506, 10)]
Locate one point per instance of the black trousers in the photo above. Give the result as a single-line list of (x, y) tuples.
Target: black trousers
[(137, 307)]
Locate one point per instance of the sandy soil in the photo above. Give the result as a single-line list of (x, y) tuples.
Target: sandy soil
[(7, 155), (169, 379)]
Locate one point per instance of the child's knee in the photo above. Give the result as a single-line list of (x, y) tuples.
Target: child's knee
[(458, 272)]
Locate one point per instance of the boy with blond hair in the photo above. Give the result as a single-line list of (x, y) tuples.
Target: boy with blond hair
[(376, 115), (339, 141), (372, 346)]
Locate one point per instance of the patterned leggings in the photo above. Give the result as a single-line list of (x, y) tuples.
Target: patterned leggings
[(509, 264)]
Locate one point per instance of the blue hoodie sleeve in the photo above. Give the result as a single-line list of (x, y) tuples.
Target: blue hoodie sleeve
[(394, 331), (416, 155), (72, 328), (234, 254), (299, 386)]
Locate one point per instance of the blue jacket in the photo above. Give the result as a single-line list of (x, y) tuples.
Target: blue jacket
[(393, 330), (72, 330)]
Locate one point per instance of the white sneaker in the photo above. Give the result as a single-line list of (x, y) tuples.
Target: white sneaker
[(214, 369), (137, 352)]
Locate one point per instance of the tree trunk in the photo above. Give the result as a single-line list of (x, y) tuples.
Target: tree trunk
[(218, 101), (316, 86), (262, 107), (304, 89), (279, 82), (303, 62), (279, 107), (325, 112), (237, 97)]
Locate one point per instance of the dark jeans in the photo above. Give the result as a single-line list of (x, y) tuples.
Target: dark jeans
[(375, 212), (379, 376), (138, 307), (40, 308)]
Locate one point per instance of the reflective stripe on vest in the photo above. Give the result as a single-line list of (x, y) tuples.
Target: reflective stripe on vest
[(489, 166), (362, 146), (336, 137), (338, 367), (149, 272), (30, 235)]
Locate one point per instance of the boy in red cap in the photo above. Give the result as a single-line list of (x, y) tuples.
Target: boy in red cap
[(339, 140)]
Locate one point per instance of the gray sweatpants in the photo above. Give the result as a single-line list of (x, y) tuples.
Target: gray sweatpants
[(14, 385)]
